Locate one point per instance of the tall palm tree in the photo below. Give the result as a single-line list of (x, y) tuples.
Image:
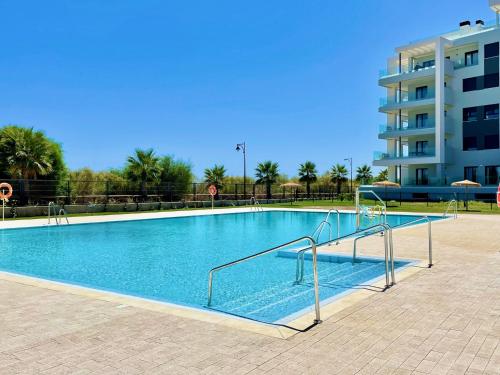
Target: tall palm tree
[(338, 175), (267, 173), (364, 174), (143, 167), (308, 174), (383, 175), (28, 154), (215, 176)]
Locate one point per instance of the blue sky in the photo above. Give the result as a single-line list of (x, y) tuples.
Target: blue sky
[(296, 80)]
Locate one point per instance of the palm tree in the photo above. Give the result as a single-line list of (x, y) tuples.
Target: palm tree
[(338, 175), (364, 174), (143, 167), (215, 176), (307, 174), (28, 154), (267, 173), (383, 175)]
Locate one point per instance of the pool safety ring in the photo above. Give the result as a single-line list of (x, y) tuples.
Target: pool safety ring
[(5, 196), (212, 190), (498, 196)]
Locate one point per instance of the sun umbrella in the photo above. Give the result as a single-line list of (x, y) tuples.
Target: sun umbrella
[(386, 184), (291, 185), (466, 184)]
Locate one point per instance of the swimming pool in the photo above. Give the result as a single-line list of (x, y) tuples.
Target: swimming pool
[(169, 260)]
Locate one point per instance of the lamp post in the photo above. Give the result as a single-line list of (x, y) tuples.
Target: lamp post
[(350, 162), (243, 147)]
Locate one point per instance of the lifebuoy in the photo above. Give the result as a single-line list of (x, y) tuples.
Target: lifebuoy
[(498, 196), (212, 190), (4, 196)]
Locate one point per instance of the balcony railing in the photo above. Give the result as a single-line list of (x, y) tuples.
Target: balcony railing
[(393, 71), (384, 128), (428, 152), (405, 97)]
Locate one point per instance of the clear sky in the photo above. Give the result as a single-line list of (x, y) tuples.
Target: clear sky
[(296, 80)]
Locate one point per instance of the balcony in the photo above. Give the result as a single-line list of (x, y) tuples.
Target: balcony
[(409, 100), (384, 159), (410, 130), (392, 76)]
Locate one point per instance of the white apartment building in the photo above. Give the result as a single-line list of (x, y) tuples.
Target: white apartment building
[(442, 108)]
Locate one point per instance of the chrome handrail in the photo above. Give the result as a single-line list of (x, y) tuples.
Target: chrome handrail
[(375, 229), (276, 248), (53, 205), (57, 215), (384, 206), (452, 204), (317, 232), (257, 206), (62, 213)]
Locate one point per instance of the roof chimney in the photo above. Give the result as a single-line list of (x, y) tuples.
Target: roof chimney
[(465, 25)]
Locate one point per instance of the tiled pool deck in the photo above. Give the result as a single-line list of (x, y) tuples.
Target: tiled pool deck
[(440, 320)]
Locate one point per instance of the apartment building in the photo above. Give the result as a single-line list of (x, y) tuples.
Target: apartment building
[(442, 107)]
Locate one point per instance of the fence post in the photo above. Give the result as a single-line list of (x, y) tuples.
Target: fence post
[(107, 192), (68, 192), (194, 191), (235, 191)]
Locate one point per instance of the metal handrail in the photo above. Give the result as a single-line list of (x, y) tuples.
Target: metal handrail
[(317, 232), (53, 205), (276, 248), (375, 229), (322, 225), (62, 213), (384, 206), (429, 233), (257, 206), (452, 204)]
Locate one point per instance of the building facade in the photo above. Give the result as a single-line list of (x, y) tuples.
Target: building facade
[(442, 108)]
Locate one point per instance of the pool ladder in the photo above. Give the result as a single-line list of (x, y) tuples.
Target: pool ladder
[(58, 216), (317, 232), (452, 205), (256, 206)]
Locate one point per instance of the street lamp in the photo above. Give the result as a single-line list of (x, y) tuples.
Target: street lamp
[(350, 161), (243, 147)]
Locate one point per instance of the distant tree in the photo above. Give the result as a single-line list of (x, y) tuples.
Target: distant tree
[(143, 167), (177, 174), (28, 155), (215, 176), (267, 173), (308, 174), (364, 174), (338, 175), (383, 175)]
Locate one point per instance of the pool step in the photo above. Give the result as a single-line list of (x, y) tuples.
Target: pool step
[(288, 296)]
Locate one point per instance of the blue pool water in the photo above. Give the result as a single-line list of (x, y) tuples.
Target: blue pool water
[(169, 260)]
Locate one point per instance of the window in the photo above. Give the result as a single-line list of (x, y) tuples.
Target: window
[(491, 50), (429, 63), (492, 175), (470, 173), (421, 147), (421, 92), (470, 84), (422, 176), (491, 142), (422, 120), (470, 114), (470, 143), (471, 58), (491, 80), (491, 112)]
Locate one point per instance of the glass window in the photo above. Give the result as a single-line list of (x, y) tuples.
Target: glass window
[(429, 63), (492, 175), (491, 112), (421, 92), (422, 176), (491, 50), (470, 143), (470, 114), (470, 84), (491, 80), (421, 147), (422, 120), (471, 58), (491, 141), (470, 173)]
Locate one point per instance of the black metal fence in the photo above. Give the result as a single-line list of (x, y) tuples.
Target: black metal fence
[(41, 192)]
